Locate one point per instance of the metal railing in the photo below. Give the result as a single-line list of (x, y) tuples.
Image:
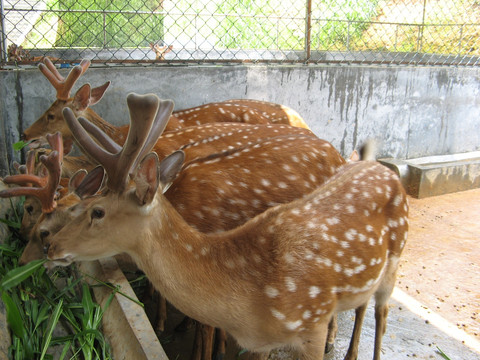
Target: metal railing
[(428, 32)]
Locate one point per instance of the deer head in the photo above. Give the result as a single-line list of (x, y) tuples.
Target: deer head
[(82, 186), (52, 120)]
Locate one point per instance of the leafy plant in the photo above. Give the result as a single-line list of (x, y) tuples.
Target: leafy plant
[(39, 304)]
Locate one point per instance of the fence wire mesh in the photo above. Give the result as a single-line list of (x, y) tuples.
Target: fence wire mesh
[(430, 32)]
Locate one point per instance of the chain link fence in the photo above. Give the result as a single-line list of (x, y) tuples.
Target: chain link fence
[(417, 32)]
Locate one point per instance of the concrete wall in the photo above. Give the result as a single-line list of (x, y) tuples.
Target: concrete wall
[(415, 111)]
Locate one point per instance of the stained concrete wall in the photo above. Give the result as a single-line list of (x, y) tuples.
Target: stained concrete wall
[(415, 111)]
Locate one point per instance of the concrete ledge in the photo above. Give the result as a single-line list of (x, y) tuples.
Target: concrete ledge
[(125, 324), (437, 175)]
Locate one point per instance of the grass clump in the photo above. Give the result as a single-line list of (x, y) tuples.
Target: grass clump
[(48, 312)]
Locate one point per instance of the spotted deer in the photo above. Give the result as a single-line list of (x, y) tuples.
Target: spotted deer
[(52, 120), (309, 161), (274, 281), (199, 143), (160, 50)]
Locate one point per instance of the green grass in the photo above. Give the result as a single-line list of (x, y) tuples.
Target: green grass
[(37, 303)]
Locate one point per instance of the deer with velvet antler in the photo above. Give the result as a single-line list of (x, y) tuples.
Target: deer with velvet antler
[(275, 281), (51, 121)]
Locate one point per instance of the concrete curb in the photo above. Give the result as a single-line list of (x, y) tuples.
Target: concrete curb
[(437, 175)]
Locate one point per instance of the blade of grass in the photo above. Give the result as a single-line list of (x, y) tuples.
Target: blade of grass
[(14, 317), (66, 347), (52, 323), (442, 354), (19, 145), (16, 276), (115, 288)]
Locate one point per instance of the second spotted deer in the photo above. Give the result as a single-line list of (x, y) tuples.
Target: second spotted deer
[(275, 281)]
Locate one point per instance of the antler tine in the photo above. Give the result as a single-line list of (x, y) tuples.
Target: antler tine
[(96, 152), (56, 143), (30, 163), (62, 85), (165, 108), (52, 163), (117, 165), (27, 175), (102, 138), (20, 169), (143, 116), (25, 180), (46, 193)]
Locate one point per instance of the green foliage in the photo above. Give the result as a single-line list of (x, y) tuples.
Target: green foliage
[(264, 24), (19, 145), (107, 24), (336, 23), (37, 303)]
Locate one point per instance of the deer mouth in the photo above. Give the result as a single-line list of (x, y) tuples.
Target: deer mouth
[(63, 261), (37, 143)]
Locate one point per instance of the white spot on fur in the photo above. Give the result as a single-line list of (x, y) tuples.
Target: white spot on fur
[(313, 291), (307, 315), (271, 292), (277, 314), (333, 221), (290, 283), (293, 325)]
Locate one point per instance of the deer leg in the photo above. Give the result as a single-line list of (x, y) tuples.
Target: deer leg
[(381, 313), (221, 344), (314, 343), (357, 329), (208, 333), (161, 313), (185, 325), (332, 334), (197, 343)]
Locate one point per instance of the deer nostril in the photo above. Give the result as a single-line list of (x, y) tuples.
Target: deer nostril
[(45, 249), (23, 136)]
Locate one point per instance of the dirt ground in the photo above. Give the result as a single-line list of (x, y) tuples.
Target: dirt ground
[(440, 265)]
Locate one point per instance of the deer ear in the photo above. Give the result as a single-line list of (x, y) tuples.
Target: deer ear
[(170, 167), (76, 179), (147, 179), (91, 183), (81, 100), (98, 92)]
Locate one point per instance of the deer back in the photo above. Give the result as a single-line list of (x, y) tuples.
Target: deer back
[(241, 111), (245, 181)]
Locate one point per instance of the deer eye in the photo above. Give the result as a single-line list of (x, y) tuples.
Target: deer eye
[(50, 117), (29, 209), (97, 214)]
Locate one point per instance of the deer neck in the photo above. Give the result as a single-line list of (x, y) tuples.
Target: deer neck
[(186, 265)]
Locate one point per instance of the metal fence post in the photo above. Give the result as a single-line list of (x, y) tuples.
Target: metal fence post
[(3, 35), (308, 31)]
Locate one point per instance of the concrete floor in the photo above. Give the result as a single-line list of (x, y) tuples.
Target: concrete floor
[(436, 303)]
